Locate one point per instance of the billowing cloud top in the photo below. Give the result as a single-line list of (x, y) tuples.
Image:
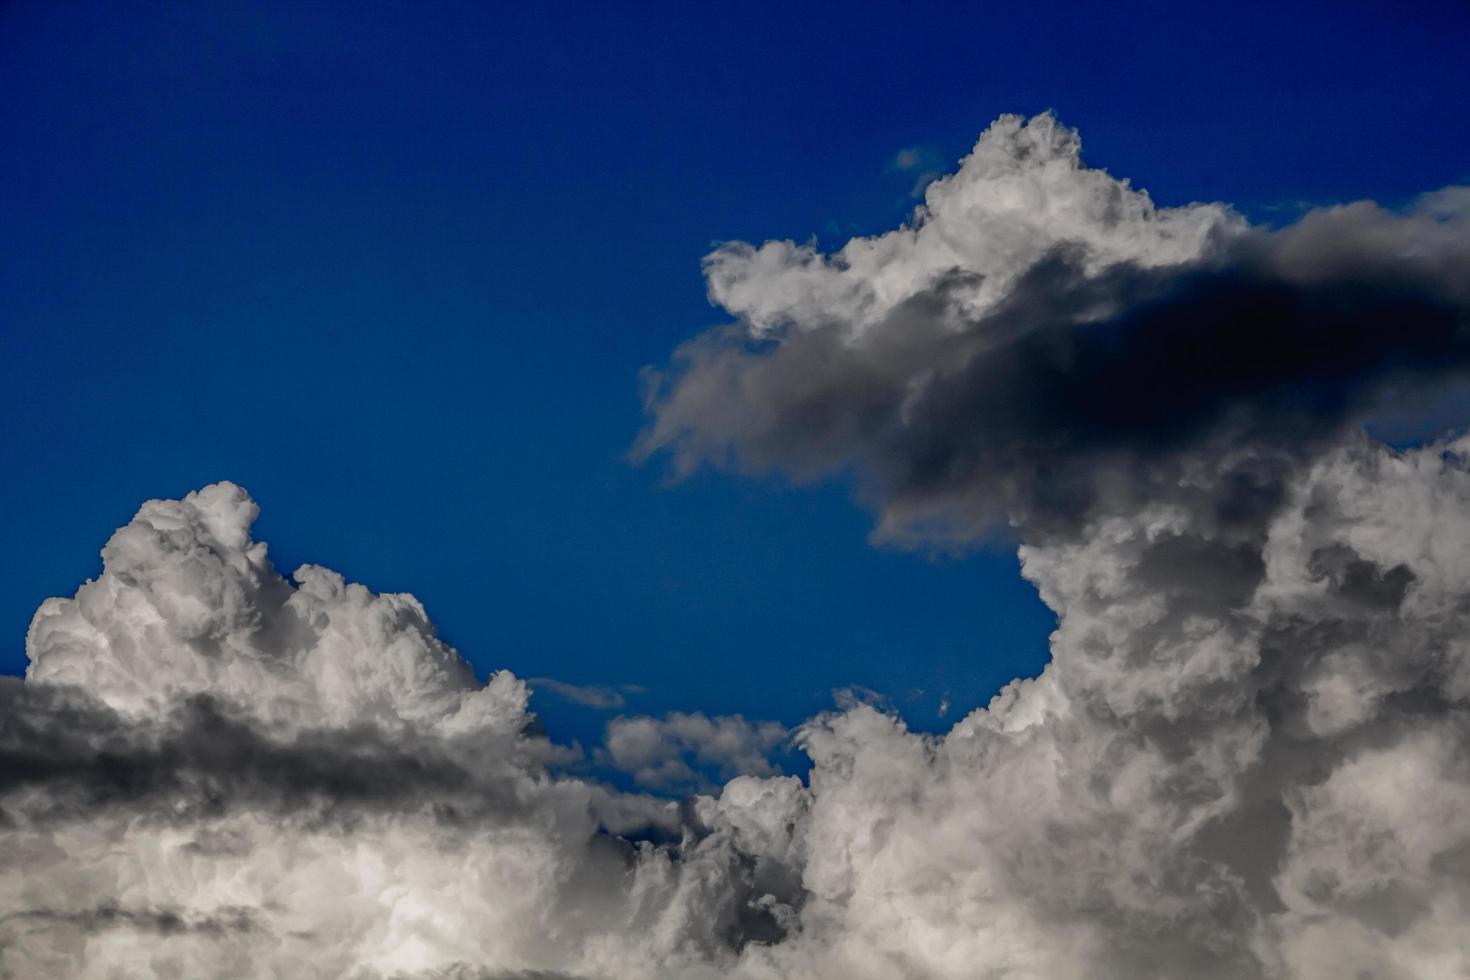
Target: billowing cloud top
[(1247, 758), (188, 604), (1022, 192)]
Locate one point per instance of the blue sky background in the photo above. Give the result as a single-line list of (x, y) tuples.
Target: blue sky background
[(395, 268)]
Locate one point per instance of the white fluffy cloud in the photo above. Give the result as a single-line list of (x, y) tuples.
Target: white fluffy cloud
[(1022, 191), (189, 604), (1247, 758)]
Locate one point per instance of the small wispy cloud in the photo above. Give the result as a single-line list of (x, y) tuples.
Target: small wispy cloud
[(924, 164), (595, 696)]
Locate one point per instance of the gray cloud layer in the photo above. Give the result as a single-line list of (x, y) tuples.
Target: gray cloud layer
[(1248, 757)]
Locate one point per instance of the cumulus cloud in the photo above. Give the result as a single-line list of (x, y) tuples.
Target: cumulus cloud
[(212, 770), (1247, 757), (1258, 606), (670, 751), (1020, 193)]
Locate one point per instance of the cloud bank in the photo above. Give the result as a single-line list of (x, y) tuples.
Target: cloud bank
[(1247, 758), (211, 770)]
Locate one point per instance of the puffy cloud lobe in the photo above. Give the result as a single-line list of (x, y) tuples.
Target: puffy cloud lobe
[(1020, 193), (659, 751), (189, 604)]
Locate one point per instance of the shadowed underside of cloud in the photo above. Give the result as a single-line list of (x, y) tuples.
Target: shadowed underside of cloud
[(1044, 345), (1246, 759)]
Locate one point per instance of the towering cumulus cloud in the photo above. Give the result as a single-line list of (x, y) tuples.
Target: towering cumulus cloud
[(1249, 756), (210, 771)]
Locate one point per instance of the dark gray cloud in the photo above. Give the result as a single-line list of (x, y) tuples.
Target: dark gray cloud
[(1083, 389), (65, 755), (164, 922)]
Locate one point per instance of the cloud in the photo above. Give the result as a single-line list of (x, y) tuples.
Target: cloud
[(921, 163), (1021, 192), (189, 604), (588, 696), (909, 158), (1257, 605), (210, 770), (669, 751), (1247, 757), (1044, 344)]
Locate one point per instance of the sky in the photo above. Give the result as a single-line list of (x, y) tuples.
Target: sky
[(385, 258), (741, 391)]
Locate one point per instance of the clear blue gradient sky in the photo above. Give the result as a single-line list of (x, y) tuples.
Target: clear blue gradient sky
[(395, 268)]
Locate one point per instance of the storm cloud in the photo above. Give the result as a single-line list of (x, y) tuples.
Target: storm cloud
[(1247, 757), (1044, 344)]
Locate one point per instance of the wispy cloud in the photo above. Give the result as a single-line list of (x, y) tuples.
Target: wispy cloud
[(589, 696)]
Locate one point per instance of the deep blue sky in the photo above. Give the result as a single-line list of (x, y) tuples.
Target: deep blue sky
[(395, 268)]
